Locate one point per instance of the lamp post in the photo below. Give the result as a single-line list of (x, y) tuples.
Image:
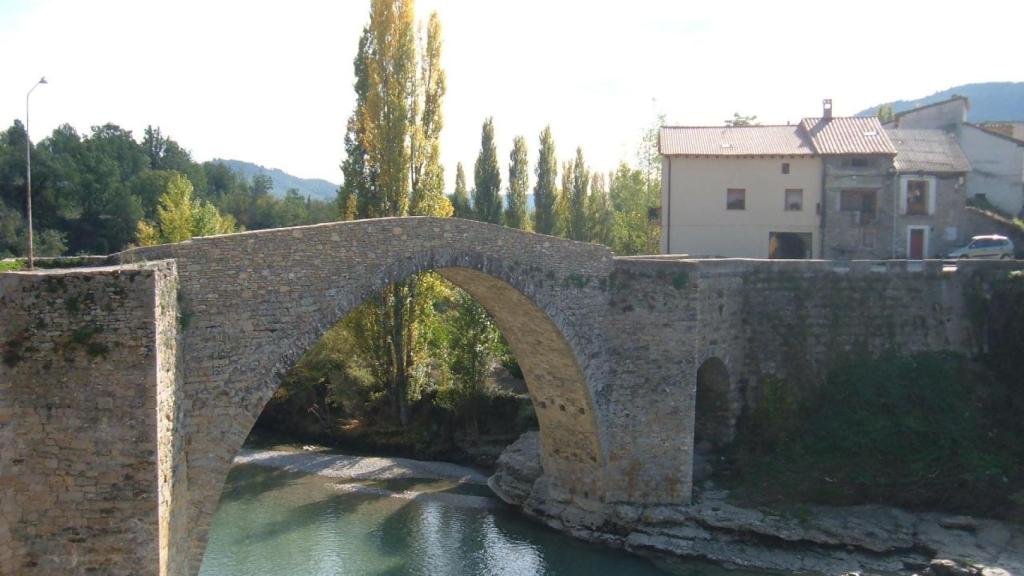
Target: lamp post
[(28, 173)]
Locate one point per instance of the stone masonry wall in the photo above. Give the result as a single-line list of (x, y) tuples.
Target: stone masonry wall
[(850, 235), (126, 392), (256, 301), (793, 319), (173, 474), (78, 420)]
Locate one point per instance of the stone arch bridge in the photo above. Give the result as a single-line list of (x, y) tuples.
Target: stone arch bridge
[(128, 386)]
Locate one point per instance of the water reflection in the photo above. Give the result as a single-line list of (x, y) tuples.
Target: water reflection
[(272, 523)]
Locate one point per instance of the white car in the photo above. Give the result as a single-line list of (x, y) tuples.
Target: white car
[(992, 246)]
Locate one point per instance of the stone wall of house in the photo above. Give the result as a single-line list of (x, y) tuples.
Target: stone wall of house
[(79, 407), (945, 232), (851, 235)]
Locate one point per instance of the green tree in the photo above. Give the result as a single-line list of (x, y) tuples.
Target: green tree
[(577, 198), (358, 188), (563, 201), (427, 178), (633, 195), (262, 185), (487, 178), (516, 215), (885, 113), (181, 216), (739, 120), (387, 113), (600, 219), (460, 197), (391, 138), (473, 351), (545, 189)]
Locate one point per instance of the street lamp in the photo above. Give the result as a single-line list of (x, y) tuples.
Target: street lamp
[(28, 172)]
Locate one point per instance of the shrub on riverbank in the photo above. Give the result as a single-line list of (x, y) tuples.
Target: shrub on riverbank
[(924, 431)]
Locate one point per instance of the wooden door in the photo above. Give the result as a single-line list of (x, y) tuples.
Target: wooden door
[(916, 249)]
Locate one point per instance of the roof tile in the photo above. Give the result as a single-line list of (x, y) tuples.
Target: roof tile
[(927, 151), (733, 141), (847, 135)]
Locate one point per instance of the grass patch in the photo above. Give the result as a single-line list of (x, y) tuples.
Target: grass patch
[(11, 265)]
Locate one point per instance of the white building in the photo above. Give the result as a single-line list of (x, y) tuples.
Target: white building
[(995, 150)]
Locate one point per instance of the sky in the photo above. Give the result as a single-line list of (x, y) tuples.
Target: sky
[(270, 82)]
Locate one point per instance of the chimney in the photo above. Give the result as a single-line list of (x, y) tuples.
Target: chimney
[(827, 108)]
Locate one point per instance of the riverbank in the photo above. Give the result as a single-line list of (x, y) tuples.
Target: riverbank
[(322, 462), (815, 539), (811, 540)]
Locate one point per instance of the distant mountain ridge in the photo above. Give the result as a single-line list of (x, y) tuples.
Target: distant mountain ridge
[(990, 101), (311, 187)]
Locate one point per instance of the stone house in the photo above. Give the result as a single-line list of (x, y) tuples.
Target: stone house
[(995, 150), (929, 193), (857, 179), (827, 187)]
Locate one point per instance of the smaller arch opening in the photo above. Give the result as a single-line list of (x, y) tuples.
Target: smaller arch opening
[(712, 427)]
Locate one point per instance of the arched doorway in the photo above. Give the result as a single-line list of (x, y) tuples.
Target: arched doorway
[(712, 426)]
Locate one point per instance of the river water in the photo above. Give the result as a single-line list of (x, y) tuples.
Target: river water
[(275, 522)]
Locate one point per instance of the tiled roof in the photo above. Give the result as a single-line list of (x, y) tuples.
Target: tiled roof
[(927, 151), (733, 141), (847, 135)]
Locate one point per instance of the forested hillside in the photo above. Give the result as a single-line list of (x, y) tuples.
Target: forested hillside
[(989, 101), (283, 182), (100, 192)]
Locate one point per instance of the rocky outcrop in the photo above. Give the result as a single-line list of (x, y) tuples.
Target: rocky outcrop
[(517, 470), (817, 540)]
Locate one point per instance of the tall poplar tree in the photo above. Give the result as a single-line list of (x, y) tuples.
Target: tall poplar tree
[(358, 183), (387, 113), (487, 178), (516, 215), (391, 142), (600, 219), (545, 190), (460, 198), (563, 202), (427, 174), (577, 200)]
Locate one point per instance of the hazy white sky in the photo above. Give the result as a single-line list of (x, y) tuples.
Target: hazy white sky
[(271, 81)]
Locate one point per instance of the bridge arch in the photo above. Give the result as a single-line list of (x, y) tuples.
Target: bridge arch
[(255, 302)]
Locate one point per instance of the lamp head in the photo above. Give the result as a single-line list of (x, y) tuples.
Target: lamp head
[(42, 80)]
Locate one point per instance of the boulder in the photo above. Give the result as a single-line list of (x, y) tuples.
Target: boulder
[(518, 468)]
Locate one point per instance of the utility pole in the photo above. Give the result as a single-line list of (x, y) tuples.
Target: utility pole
[(28, 174)]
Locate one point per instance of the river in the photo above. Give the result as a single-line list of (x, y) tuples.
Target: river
[(337, 517)]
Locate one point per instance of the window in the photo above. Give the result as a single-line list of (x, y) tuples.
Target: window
[(785, 167), (859, 163), (917, 199), (794, 199), (736, 199), (864, 202)]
